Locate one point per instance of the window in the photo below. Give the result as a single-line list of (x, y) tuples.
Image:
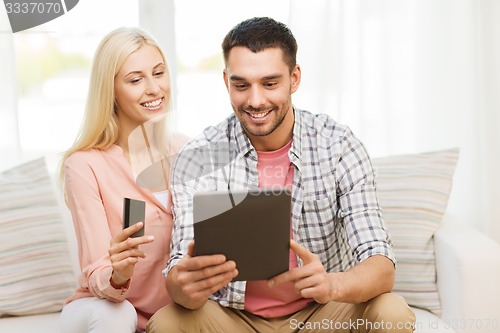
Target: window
[(53, 63), (53, 67), (200, 29)]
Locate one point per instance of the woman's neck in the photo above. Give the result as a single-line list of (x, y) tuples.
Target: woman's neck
[(123, 144)]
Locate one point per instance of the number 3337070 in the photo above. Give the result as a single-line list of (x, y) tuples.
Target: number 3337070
[(33, 7)]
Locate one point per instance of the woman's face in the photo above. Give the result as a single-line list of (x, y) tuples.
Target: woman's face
[(142, 88)]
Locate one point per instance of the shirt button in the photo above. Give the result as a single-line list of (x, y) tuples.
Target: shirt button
[(238, 297)]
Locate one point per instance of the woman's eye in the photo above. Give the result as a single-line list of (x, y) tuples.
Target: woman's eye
[(158, 74), (135, 80)]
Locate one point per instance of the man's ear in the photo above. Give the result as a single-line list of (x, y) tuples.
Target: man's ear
[(295, 78), (226, 82)]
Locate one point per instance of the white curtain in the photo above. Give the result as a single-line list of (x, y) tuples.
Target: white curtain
[(411, 76), (10, 152), (158, 17)]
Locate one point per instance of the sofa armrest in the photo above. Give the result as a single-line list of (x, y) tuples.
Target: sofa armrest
[(468, 266)]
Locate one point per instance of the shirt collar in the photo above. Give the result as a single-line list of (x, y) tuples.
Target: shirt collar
[(296, 149), (243, 144)]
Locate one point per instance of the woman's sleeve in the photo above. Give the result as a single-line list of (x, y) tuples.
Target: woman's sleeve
[(91, 227)]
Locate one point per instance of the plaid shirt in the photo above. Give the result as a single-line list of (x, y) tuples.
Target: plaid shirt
[(335, 212)]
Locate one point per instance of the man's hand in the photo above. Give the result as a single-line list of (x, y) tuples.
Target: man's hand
[(193, 279), (369, 278), (310, 280)]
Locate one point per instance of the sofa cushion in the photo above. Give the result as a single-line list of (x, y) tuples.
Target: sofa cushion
[(413, 192), (35, 267), (428, 323), (44, 323)]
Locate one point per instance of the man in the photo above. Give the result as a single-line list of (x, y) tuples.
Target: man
[(341, 259)]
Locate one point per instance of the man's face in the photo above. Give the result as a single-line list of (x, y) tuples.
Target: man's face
[(260, 87)]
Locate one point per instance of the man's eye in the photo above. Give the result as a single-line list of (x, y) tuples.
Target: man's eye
[(270, 84), (240, 86)]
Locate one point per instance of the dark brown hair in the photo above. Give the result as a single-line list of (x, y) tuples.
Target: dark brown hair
[(260, 33)]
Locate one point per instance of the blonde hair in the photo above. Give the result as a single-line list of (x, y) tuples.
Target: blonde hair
[(99, 129)]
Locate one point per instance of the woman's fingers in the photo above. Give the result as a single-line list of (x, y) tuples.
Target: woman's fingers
[(118, 246)]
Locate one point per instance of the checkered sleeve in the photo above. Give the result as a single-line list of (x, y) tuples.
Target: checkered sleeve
[(204, 164), (189, 173), (365, 229), (198, 167)]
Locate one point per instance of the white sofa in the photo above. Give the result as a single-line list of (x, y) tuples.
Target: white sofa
[(468, 266), (467, 261)]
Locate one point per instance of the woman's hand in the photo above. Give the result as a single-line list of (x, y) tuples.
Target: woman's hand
[(124, 253)]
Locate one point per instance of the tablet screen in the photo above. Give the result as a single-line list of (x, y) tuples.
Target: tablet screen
[(251, 227)]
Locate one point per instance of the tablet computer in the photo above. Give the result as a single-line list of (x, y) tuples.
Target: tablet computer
[(251, 227)]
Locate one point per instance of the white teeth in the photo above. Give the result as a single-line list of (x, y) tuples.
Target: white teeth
[(152, 104), (260, 115)]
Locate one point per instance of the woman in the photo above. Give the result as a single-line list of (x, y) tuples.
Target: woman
[(123, 139)]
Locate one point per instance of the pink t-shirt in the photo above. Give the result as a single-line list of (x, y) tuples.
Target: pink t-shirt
[(275, 170)]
